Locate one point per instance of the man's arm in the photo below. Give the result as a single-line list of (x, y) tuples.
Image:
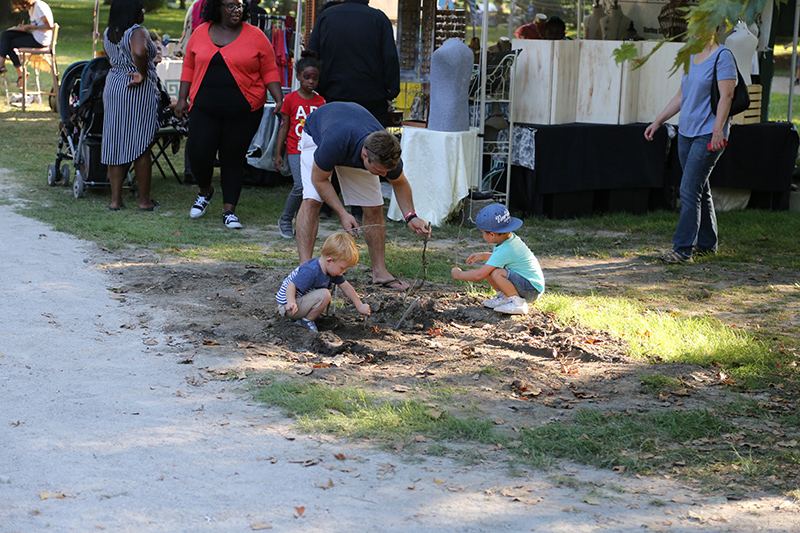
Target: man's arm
[(402, 192), (322, 182), (391, 63)]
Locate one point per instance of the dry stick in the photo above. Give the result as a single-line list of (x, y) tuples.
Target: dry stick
[(410, 307), (424, 268)]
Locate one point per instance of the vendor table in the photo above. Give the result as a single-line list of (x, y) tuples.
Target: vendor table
[(169, 71), (759, 158), (582, 169), (439, 166)]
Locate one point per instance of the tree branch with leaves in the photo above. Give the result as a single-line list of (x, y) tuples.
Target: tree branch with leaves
[(703, 21)]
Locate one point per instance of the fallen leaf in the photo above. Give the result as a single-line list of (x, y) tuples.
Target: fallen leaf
[(325, 486), (305, 462), (400, 388), (339, 456), (210, 342), (258, 526), (499, 421), (618, 469), (787, 443), (568, 369), (439, 481), (527, 501), (433, 413), (150, 342), (420, 438), (682, 392), (300, 510), (655, 527), (46, 494), (591, 500)]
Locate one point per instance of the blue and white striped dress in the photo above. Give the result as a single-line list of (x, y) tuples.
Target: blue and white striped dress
[(130, 113)]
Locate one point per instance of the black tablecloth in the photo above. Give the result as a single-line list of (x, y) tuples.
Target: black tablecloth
[(580, 158), (759, 157)]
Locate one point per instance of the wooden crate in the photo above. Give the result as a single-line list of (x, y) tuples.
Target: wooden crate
[(752, 115)]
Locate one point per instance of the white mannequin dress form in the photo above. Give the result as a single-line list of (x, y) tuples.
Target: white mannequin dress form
[(591, 24), (743, 44), (614, 24)]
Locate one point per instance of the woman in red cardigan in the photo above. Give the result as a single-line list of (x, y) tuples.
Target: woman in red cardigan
[(228, 68)]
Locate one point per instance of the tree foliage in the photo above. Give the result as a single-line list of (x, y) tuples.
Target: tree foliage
[(703, 21)]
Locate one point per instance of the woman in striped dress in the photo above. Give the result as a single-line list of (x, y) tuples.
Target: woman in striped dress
[(130, 101)]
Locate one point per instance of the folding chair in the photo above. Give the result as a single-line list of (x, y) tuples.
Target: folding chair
[(166, 138), (39, 59)]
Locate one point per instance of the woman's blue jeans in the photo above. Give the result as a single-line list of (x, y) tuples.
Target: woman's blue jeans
[(697, 225)]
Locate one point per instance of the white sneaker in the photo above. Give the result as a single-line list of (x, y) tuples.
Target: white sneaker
[(200, 205), (231, 220), (514, 306), (498, 300)]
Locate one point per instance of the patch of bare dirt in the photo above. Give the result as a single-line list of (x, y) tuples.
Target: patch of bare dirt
[(515, 370)]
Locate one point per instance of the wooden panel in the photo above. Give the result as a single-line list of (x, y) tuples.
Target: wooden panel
[(564, 101), (533, 82), (629, 92), (599, 83), (656, 86)]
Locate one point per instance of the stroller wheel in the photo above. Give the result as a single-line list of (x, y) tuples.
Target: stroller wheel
[(78, 187), (65, 175), (52, 174)]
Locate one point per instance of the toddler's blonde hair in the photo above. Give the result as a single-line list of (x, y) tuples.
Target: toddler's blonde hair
[(341, 247)]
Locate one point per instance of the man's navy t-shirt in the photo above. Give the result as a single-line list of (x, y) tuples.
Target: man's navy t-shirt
[(339, 130)]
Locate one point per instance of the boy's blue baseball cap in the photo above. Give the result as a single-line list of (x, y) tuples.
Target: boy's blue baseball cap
[(497, 219)]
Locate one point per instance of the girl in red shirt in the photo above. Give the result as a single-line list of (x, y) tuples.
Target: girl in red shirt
[(296, 107)]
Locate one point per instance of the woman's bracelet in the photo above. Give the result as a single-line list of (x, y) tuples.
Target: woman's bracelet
[(410, 216)]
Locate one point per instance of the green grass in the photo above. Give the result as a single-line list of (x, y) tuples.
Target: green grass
[(694, 444), (663, 336), (659, 383), (352, 412)]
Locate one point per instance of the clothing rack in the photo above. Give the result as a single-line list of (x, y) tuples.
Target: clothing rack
[(274, 27), (265, 23)]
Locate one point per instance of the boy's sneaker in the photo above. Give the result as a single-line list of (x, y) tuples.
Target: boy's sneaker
[(200, 205), (309, 324), (515, 305), (286, 229), (231, 220), (498, 300)]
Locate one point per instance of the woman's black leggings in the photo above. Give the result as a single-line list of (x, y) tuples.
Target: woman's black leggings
[(11, 39), (216, 130)]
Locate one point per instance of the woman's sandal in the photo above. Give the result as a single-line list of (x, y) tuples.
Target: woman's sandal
[(156, 205), (673, 258), (19, 82)]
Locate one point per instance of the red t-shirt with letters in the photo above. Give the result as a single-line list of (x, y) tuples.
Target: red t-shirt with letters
[(297, 109)]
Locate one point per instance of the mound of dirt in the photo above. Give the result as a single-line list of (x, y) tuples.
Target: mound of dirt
[(508, 367)]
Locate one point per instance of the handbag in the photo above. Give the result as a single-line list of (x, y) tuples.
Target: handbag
[(741, 96)]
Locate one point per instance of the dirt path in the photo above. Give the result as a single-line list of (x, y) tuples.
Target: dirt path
[(103, 428)]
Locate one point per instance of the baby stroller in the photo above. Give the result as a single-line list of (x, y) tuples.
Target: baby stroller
[(80, 101), (81, 108)]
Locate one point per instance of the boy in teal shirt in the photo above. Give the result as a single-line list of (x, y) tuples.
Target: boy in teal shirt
[(511, 269)]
